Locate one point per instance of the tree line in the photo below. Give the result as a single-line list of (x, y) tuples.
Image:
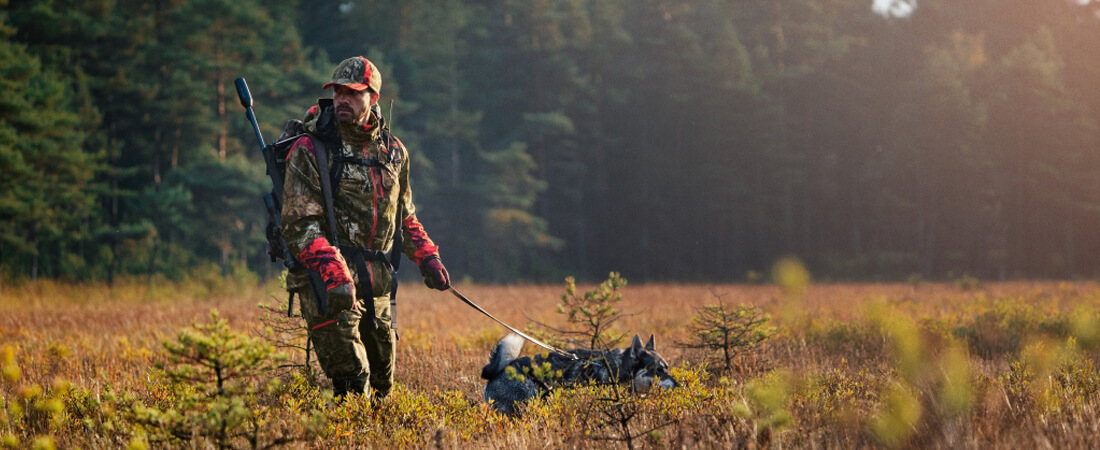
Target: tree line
[(670, 140)]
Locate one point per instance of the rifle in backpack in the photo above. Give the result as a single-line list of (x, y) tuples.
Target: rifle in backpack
[(273, 201)]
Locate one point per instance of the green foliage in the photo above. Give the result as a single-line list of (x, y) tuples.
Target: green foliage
[(1005, 327), (729, 331), (851, 396), (956, 392), (791, 275), (897, 419), (723, 135), (594, 312), (156, 76), (510, 188), (216, 376), (856, 337), (215, 356), (768, 401), (47, 194), (1055, 380), (1085, 324), (543, 373), (968, 283), (903, 335), (30, 413)]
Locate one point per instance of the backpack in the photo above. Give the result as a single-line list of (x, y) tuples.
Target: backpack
[(276, 156)]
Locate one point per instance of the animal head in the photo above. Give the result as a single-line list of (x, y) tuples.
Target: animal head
[(647, 367)]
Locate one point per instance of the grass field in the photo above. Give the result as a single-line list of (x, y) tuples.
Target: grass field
[(952, 365)]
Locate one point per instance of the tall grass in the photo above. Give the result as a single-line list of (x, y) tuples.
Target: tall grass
[(1000, 365)]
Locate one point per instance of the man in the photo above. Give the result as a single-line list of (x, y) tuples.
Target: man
[(354, 340)]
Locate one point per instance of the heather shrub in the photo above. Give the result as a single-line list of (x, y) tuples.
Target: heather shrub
[(858, 366)]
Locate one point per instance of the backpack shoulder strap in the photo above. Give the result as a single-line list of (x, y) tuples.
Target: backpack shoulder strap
[(395, 251), (321, 152)]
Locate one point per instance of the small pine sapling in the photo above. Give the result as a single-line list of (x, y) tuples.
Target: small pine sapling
[(594, 312), (218, 372), (730, 331)]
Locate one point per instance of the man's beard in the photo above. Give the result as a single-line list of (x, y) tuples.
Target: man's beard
[(349, 117), (356, 132)]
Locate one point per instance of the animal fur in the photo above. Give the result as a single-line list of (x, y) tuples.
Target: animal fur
[(513, 380)]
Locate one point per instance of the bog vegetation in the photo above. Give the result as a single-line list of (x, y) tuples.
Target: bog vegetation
[(998, 365)]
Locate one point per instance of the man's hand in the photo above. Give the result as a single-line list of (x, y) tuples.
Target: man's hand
[(435, 275), (342, 297)]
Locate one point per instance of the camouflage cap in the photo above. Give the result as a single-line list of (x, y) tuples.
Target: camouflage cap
[(356, 73)]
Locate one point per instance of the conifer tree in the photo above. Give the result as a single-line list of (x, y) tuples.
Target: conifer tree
[(43, 197)]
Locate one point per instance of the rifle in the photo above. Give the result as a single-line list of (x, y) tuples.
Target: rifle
[(273, 201)]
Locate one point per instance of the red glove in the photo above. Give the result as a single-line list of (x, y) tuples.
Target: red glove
[(435, 275)]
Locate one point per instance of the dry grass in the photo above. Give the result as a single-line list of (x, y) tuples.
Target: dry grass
[(1001, 365)]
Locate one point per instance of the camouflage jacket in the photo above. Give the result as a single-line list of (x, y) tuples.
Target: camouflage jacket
[(370, 202)]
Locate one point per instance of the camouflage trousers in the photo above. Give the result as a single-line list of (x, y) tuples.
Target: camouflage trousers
[(347, 347)]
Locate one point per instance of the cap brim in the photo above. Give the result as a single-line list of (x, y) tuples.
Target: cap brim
[(355, 86)]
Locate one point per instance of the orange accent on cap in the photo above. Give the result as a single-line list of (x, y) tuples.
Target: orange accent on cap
[(355, 86)]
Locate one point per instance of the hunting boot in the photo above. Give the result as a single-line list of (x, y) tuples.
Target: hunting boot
[(341, 387)]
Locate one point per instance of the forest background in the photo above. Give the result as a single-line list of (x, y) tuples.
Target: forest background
[(670, 140)]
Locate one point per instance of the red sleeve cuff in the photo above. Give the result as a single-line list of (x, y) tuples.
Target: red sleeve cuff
[(425, 248), (325, 259)]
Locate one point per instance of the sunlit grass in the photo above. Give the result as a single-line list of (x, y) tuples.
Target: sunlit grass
[(925, 365)]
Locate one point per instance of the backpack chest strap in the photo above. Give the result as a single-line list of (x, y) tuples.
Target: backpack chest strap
[(359, 257), (369, 162)]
